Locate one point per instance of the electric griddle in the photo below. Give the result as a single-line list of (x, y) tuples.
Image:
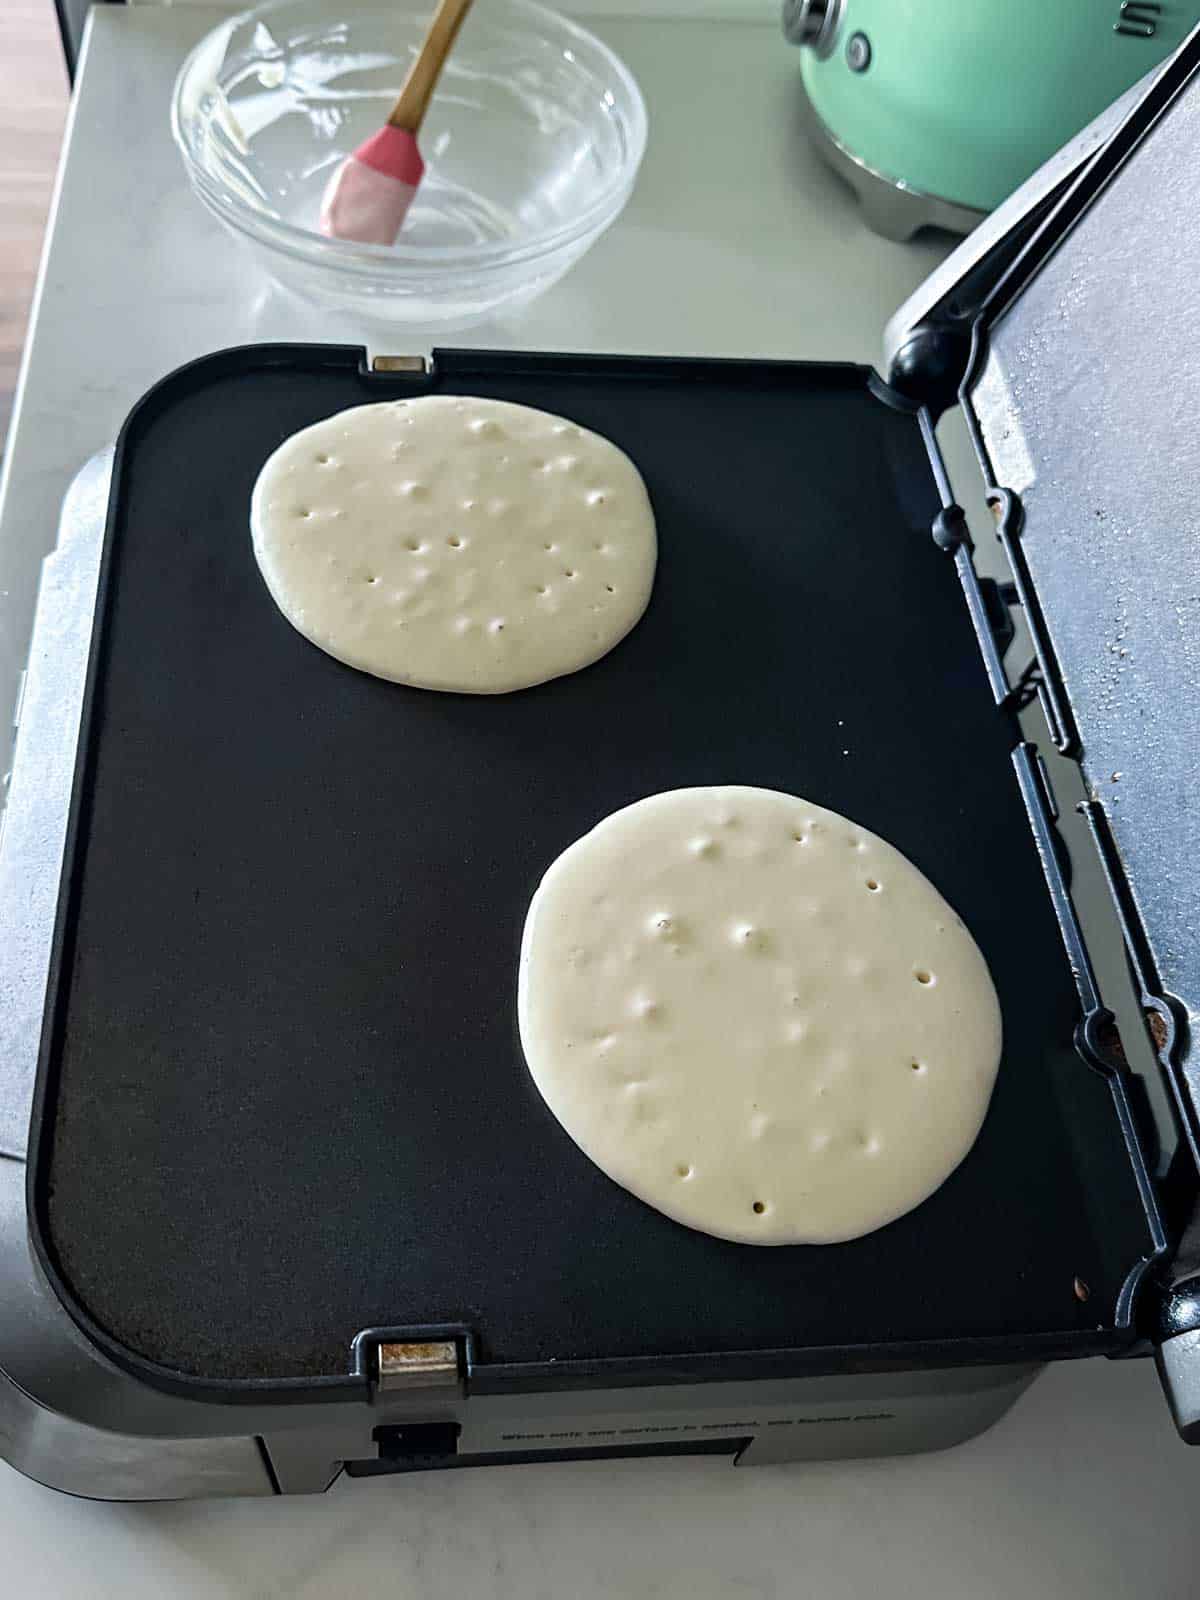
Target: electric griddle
[(293, 1205)]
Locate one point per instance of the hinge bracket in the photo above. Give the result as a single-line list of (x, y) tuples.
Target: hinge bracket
[(396, 1360)]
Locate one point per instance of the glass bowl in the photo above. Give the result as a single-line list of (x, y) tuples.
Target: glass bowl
[(532, 144)]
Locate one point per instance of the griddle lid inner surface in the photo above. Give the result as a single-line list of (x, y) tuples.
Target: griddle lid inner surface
[(1087, 405)]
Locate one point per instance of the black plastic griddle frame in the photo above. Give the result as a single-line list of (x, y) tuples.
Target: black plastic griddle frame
[(940, 364), (1167, 1025), (1097, 1023), (482, 1372)]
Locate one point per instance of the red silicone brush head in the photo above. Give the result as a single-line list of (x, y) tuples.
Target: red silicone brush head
[(368, 197)]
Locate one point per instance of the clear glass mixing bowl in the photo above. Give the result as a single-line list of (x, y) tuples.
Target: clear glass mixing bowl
[(532, 145)]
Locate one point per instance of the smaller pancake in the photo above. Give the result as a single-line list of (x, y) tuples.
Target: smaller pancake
[(455, 543)]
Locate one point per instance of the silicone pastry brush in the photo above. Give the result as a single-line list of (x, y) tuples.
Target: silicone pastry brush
[(369, 195)]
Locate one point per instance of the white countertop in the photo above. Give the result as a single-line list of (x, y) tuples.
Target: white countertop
[(1083, 1489)]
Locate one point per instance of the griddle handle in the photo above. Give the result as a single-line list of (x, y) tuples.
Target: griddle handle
[(1178, 1359), (1177, 1347)]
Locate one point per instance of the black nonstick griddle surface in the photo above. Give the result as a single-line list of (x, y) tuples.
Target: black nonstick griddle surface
[(282, 1094)]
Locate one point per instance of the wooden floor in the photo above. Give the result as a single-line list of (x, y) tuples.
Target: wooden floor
[(33, 106)]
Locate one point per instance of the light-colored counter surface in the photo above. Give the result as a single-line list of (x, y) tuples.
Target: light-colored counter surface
[(737, 242)]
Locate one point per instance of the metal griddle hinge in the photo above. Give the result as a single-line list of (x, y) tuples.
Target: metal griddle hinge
[(1042, 676), (398, 1359), (416, 365), (990, 605), (1097, 1025), (986, 602), (417, 1366), (1164, 1024)]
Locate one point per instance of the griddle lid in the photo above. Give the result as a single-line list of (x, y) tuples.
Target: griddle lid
[(1086, 398)]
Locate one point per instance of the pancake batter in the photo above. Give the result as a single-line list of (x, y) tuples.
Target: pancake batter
[(455, 543), (757, 1016)]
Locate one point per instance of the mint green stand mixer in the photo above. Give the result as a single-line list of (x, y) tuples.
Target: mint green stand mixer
[(935, 110)]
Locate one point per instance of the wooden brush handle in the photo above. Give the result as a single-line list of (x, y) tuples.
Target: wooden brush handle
[(426, 69)]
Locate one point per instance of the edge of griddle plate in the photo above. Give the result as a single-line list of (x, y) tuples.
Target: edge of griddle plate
[(631, 1372), (41, 1129)]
